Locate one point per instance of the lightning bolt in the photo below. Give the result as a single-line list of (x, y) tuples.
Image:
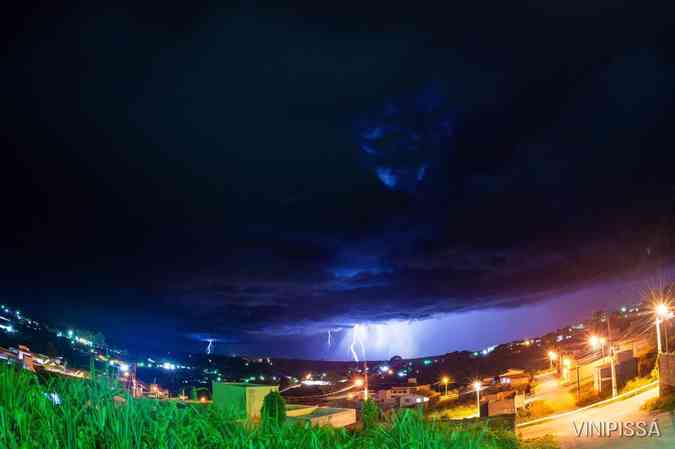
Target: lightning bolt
[(209, 348), (355, 337), (363, 347)]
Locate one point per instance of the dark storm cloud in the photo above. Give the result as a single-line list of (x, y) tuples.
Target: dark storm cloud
[(194, 173)]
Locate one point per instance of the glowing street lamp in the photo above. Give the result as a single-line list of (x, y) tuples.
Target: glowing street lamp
[(476, 386), (597, 342), (552, 356), (662, 313), (358, 383), (594, 341), (445, 381)]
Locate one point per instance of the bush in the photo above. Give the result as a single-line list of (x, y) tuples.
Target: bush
[(636, 383), (663, 403), (371, 414), (546, 442), (273, 411), (458, 411)]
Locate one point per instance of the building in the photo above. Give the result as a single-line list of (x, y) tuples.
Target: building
[(515, 378), (625, 367), (244, 399), (412, 400)]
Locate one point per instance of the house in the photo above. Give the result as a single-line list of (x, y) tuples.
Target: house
[(412, 400), (244, 398), (515, 378)]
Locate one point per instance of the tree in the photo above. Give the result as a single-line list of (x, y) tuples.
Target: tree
[(273, 411), (371, 414)]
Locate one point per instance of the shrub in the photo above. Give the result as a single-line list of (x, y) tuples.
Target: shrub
[(636, 383), (663, 403), (545, 442), (273, 411), (371, 414)]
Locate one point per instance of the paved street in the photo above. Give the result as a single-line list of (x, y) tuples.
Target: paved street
[(547, 387), (622, 411)]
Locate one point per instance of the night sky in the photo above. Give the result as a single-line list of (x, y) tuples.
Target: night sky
[(454, 178)]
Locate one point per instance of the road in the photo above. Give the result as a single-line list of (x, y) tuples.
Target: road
[(547, 387), (628, 410)]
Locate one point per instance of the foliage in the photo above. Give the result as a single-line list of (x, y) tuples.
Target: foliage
[(273, 411), (371, 414), (545, 442), (87, 416), (636, 383), (457, 411), (546, 407), (663, 403)]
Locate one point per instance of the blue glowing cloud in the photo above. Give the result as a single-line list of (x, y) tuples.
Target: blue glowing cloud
[(400, 140)]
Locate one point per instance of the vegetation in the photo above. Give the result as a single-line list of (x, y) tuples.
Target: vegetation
[(664, 403), (545, 442), (456, 411), (98, 414), (273, 411), (542, 408), (371, 414), (637, 382)]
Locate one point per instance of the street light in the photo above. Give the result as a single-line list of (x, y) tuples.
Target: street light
[(445, 381), (662, 313), (597, 342), (594, 341), (476, 386), (552, 355)]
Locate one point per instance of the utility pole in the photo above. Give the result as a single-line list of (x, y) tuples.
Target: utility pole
[(665, 330), (658, 336), (611, 353), (365, 380)]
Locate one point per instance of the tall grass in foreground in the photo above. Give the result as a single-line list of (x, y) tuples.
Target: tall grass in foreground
[(98, 414)]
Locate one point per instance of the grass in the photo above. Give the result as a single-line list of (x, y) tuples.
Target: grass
[(98, 414), (636, 383), (545, 407), (459, 411), (662, 403)]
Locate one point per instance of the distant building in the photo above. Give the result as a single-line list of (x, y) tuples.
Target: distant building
[(515, 378), (25, 356), (243, 398), (412, 400)]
